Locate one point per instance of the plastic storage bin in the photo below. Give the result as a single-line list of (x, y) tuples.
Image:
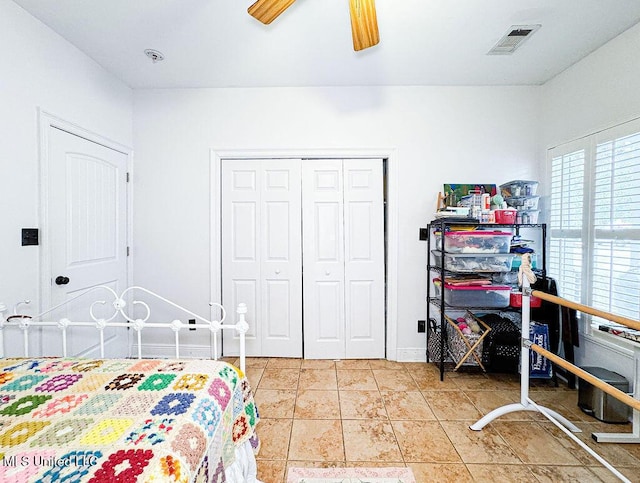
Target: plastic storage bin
[(515, 300), (489, 296), (477, 242), (528, 216), (523, 202), (517, 261), (505, 278), (473, 263), (507, 217), (599, 404), (518, 188)]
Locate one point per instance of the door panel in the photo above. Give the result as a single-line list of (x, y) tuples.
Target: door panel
[(277, 304), (245, 291), (323, 261), (329, 299), (243, 231), (364, 258), (87, 236), (277, 213), (240, 264), (281, 258), (360, 315), (261, 247), (328, 221)]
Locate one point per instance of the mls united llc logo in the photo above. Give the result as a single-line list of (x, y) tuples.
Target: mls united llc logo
[(75, 460)]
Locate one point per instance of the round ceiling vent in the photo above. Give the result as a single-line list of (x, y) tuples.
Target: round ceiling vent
[(154, 55)]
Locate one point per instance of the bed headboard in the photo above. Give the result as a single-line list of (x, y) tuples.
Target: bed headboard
[(120, 314)]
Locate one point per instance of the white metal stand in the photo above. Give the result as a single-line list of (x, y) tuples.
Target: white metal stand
[(526, 404)]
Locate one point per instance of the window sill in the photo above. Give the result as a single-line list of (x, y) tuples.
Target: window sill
[(611, 342)]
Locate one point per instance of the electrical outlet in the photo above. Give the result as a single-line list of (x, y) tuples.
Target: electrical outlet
[(29, 236), (192, 322), (422, 326), (424, 234)]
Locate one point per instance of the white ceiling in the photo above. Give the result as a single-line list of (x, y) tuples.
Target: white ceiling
[(215, 43)]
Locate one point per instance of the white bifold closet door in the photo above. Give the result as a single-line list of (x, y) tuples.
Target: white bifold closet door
[(343, 261), (303, 247), (261, 255)]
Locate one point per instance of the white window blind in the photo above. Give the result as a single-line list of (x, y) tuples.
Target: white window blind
[(594, 222), (616, 223), (566, 222)]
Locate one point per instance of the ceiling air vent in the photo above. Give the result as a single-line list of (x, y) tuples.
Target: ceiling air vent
[(513, 39)]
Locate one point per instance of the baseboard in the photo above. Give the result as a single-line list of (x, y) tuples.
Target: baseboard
[(168, 351), (411, 355)]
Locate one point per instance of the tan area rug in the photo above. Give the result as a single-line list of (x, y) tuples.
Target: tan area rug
[(350, 475)]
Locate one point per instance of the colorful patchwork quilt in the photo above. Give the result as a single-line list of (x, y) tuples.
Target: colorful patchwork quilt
[(121, 420)]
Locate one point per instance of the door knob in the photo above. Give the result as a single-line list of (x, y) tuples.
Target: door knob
[(277, 272), (60, 280), (327, 272)]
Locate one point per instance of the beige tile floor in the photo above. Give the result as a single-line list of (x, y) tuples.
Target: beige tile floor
[(381, 413)]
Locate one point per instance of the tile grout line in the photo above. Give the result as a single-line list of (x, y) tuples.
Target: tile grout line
[(344, 445)]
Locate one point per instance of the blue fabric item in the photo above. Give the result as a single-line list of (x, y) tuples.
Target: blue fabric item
[(539, 366), (522, 250)]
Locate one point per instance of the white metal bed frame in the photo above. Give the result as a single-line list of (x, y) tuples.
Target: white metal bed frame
[(119, 304)]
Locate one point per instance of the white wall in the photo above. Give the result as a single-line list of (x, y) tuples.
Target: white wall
[(442, 134), (39, 69), (598, 92)]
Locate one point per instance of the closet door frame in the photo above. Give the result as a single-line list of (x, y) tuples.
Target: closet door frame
[(391, 220)]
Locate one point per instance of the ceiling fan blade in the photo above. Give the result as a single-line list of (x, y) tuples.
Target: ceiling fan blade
[(268, 10), (364, 24)]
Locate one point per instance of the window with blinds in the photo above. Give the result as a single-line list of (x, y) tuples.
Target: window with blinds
[(616, 226), (594, 222), (566, 222)]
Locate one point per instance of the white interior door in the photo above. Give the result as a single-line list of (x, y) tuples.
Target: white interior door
[(323, 249), (364, 258), (343, 258), (261, 253), (87, 232)]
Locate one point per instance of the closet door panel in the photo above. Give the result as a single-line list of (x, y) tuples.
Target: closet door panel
[(360, 315), (240, 254), (261, 254), (364, 258), (245, 291), (323, 260), (281, 258), (277, 305), (329, 299)]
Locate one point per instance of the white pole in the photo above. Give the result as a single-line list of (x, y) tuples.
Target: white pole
[(177, 345), (242, 327), (524, 352), (3, 309)]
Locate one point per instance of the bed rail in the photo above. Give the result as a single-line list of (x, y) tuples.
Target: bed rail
[(137, 324), (527, 404)]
